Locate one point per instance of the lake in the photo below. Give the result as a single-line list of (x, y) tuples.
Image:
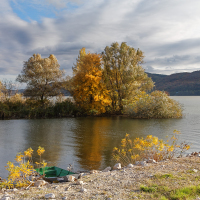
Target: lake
[(87, 143)]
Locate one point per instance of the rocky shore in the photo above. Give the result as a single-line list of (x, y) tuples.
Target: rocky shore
[(117, 183)]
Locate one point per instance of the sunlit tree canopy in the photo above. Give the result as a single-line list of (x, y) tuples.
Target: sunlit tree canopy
[(42, 76)]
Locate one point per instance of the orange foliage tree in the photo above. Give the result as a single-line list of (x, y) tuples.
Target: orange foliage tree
[(88, 88)]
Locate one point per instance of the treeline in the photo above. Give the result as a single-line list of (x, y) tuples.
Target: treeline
[(110, 83), (17, 107)]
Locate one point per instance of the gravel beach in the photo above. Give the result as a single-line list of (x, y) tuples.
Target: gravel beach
[(124, 183)]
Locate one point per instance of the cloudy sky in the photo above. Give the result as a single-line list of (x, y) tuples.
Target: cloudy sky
[(167, 31)]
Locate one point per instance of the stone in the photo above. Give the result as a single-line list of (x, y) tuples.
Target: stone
[(151, 161), (56, 187), (67, 188), (107, 169), (83, 190), (79, 182), (6, 197), (50, 196), (130, 165), (137, 162), (94, 171), (14, 190), (195, 170), (81, 175), (64, 198), (143, 163), (194, 153), (40, 183), (117, 166), (71, 178)]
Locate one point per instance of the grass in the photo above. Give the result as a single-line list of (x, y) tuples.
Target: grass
[(161, 192), (180, 186)]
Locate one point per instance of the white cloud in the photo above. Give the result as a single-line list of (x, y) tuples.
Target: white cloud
[(167, 31)]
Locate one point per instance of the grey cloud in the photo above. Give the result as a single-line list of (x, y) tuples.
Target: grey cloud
[(179, 47), (151, 26)]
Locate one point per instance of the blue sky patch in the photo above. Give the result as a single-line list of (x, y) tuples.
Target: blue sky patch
[(29, 11)]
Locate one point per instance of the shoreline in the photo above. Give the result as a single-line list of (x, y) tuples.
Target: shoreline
[(124, 183)]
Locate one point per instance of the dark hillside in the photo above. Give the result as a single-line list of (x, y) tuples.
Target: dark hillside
[(180, 84)]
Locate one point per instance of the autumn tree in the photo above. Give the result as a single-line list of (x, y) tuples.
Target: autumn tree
[(42, 75), (123, 73), (2, 90), (88, 88)]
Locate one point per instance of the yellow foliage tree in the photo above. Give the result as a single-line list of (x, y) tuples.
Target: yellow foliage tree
[(123, 73), (88, 88), (42, 75)]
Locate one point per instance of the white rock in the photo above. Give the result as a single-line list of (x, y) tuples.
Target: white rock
[(107, 169), (143, 163), (40, 183), (117, 166), (195, 170), (83, 190), (50, 196), (94, 171), (79, 182), (130, 165), (71, 178), (6, 197), (64, 198), (151, 161)]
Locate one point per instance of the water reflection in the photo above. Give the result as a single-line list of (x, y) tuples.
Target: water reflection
[(88, 142), (47, 134)]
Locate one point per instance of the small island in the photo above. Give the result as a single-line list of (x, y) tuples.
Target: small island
[(110, 83)]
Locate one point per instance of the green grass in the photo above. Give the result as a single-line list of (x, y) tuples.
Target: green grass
[(163, 193), (163, 176)]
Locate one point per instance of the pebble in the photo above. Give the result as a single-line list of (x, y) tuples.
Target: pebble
[(106, 185), (40, 183), (83, 190), (71, 178), (130, 165), (107, 169), (94, 171), (117, 166), (50, 196)]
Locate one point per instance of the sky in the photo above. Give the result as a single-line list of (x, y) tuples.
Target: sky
[(167, 31)]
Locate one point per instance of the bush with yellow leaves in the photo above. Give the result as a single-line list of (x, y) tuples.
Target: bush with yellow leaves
[(149, 148), (155, 105), (20, 175)]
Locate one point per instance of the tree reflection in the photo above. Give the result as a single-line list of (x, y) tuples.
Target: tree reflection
[(91, 140)]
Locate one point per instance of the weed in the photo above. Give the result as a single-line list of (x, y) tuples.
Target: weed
[(163, 176), (149, 189), (19, 175), (149, 147)]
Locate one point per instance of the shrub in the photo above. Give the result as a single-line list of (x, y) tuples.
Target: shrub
[(149, 148), (155, 105), (19, 175)]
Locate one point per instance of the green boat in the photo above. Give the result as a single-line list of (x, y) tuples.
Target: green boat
[(52, 174)]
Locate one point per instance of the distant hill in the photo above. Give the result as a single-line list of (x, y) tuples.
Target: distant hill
[(180, 84)]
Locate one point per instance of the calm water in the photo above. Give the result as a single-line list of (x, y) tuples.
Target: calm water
[(88, 142)]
